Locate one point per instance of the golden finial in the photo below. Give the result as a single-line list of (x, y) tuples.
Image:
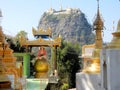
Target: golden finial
[(113, 25), (98, 3), (98, 23), (0, 13), (51, 8), (0, 16), (118, 26), (98, 8), (61, 8)]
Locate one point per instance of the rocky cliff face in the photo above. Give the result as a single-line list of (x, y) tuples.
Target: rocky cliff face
[(71, 24)]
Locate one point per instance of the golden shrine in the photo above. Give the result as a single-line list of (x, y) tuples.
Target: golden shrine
[(8, 67), (98, 27), (115, 43), (43, 39), (8, 63), (47, 41)]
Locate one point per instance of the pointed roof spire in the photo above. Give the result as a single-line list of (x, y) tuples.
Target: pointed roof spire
[(0, 13), (0, 16), (98, 23), (98, 3), (61, 8), (2, 37), (118, 26)]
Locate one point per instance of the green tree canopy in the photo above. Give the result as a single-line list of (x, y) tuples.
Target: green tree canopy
[(69, 63)]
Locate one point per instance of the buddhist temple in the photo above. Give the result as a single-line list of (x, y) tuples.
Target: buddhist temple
[(43, 39)]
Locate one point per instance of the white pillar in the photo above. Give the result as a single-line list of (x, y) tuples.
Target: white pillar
[(113, 69)]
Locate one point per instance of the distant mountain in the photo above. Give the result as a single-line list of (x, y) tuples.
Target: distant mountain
[(71, 24)]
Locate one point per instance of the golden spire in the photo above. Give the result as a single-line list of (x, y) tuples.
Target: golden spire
[(0, 13), (98, 27), (118, 26), (98, 23), (61, 8), (51, 8), (115, 43), (2, 37)]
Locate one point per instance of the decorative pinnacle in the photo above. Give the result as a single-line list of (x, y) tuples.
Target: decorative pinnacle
[(118, 26), (98, 23), (98, 3), (0, 13)]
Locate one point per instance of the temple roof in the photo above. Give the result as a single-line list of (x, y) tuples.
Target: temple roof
[(40, 42), (43, 39), (41, 33)]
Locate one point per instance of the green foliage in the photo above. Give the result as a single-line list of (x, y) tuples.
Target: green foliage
[(22, 33), (69, 63), (14, 42), (65, 86)]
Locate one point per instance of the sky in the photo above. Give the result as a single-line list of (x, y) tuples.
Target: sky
[(24, 14)]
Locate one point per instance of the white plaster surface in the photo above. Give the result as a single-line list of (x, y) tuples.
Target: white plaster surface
[(86, 81), (113, 69)]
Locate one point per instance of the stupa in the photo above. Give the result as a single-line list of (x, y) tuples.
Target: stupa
[(115, 43), (4, 80), (98, 27), (8, 67), (89, 78)]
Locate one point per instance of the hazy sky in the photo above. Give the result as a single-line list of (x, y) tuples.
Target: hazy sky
[(24, 14)]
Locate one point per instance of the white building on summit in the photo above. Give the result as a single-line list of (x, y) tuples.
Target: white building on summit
[(65, 11)]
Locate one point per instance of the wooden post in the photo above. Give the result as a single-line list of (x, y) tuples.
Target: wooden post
[(55, 58)]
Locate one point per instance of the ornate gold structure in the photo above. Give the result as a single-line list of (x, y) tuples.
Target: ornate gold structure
[(40, 41), (98, 27), (115, 43), (8, 61), (43, 40), (41, 67), (7, 65), (41, 32)]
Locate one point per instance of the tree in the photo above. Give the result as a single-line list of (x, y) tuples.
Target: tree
[(69, 63), (22, 33), (14, 42)]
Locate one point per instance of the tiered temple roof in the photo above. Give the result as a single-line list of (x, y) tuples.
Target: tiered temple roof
[(43, 39), (41, 32), (7, 62)]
